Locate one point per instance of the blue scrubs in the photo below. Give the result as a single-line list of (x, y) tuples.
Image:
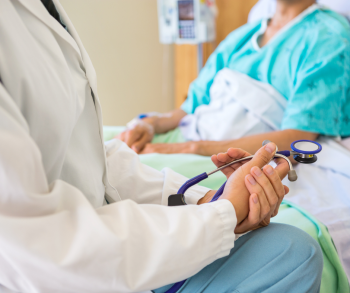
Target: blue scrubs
[(308, 62), (278, 258)]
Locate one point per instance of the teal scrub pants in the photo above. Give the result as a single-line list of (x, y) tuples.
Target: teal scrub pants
[(278, 258)]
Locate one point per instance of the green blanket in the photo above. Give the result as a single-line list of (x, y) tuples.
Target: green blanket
[(333, 277)]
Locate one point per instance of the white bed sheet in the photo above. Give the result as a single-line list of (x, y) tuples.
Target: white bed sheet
[(323, 189), (266, 8)]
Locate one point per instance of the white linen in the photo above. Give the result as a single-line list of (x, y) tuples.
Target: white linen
[(239, 106), (323, 189), (56, 234), (345, 143), (266, 8)]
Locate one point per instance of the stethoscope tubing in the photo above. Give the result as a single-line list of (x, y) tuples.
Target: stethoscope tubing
[(221, 189)]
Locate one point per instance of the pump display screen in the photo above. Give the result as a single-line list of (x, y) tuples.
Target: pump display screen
[(186, 19)]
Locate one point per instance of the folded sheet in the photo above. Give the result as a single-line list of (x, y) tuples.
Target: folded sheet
[(323, 189), (239, 106)]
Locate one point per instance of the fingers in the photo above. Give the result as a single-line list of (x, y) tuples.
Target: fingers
[(282, 167), (269, 182), (275, 212), (121, 136), (254, 187), (275, 180), (218, 163), (254, 210), (231, 155), (132, 136), (272, 185), (286, 190), (140, 144), (262, 157), (235, 153)]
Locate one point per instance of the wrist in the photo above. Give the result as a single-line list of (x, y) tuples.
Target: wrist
[(196, 147), (241, 209), (151, 121), (240, 204), (207, 197)]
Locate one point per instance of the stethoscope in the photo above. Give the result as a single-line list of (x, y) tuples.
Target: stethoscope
[(303, 151)]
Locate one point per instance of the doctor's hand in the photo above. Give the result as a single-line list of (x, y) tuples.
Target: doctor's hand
[(266, 194), (231, 155), (236, 190), (138, 136)]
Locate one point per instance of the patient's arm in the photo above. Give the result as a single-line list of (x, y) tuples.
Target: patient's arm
[(143, 132), (282, 138), (166, 122)]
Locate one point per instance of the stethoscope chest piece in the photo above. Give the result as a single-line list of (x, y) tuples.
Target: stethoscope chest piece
[(304, 151)]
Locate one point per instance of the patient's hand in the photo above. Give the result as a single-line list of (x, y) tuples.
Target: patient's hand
[(138, 136)]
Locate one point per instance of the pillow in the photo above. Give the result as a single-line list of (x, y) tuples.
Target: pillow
[(266, 8)]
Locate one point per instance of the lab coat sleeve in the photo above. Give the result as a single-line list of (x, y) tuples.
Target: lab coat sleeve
[(141, 183), (53, 240)]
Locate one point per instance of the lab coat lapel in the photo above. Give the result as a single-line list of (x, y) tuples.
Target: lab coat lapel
[(89, 69), (91, 76), (38, 9)]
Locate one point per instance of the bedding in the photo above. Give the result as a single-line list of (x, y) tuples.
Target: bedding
[(302, 62), (334, 278), (327, 186), (234, 111), (266, 8)]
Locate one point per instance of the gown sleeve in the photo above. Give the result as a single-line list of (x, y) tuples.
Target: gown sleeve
[(53, 240)]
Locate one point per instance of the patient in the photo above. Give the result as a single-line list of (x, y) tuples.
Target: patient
[(303, 52)]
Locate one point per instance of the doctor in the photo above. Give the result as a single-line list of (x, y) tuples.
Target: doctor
[(57, 231)]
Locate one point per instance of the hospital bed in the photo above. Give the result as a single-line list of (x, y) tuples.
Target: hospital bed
[(334, 278), (318, 204), (266, 8)]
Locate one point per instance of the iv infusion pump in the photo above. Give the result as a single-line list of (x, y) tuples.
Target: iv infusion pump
[(186, 21)]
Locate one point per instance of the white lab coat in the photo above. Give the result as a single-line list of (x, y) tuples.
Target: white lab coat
[(56, 232)]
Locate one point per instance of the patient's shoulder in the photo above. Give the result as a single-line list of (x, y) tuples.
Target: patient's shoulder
[(332, 24), (327, 35)]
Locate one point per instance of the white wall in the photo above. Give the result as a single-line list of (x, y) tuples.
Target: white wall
[(134, 71)]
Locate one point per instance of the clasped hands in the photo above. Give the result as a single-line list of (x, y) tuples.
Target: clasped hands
[(254, 188)]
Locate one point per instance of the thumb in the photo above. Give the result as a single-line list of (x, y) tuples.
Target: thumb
[(262, 157)]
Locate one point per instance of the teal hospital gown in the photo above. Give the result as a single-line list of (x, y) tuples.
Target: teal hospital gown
[(308, 62)]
